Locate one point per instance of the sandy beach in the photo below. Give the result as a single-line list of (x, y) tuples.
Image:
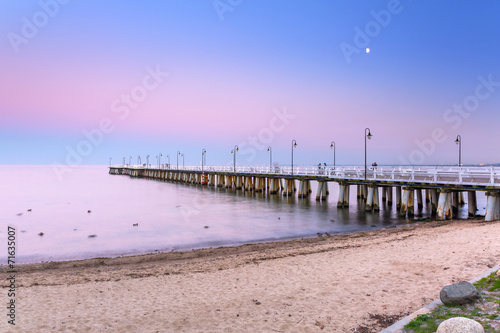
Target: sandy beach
[(341, 283)]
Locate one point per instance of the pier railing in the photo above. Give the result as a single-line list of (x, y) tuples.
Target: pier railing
[(482, 176)]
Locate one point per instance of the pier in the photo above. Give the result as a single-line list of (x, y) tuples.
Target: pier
[(443, 188)]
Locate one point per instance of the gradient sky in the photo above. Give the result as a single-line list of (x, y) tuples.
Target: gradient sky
[(70, 68)]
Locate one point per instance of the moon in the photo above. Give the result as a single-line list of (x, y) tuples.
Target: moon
[(367, 50)]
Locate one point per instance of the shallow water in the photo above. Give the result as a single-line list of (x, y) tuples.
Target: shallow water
[(170, 216)]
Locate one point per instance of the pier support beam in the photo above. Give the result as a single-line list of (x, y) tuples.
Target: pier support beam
[(472, 203), (340, 202), (492, 206), (444, 209), (290, 185)]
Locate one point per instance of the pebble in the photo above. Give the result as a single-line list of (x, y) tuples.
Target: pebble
[(40, 234), (92, 236)]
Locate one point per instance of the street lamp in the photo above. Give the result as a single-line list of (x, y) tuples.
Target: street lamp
[(178, 154), (270, 158), (203, 154), (110, 161), (332, 146), (294, 145), (147, 161), (168, 157), (235, 149), (369, 136), (458, 141), (130, 160), (159, 160), (123, 160), (138, 160), (182, 161)]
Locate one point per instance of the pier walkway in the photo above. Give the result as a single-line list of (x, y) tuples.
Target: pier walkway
[(443, 187)]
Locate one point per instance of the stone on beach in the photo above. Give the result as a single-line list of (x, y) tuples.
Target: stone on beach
[(460, 325), (459, 294)]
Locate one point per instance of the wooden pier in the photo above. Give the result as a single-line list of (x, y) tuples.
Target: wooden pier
[(443, 188)]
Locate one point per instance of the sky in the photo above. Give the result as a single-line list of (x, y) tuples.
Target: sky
[(83, 82)]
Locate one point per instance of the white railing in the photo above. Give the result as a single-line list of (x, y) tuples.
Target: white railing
[(481, 176)]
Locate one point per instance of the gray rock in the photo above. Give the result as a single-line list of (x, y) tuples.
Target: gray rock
[(460, 325), (459, 294)]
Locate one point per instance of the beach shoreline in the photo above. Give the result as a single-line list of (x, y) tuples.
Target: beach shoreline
[(338, 283)]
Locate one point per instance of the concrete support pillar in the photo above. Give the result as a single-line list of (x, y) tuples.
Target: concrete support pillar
[(358, 191), (461, 198), (434, 201), (321, 194), (389, 195), (259, 184), (347, 192), (444, 209), (375, 203), (398, 197), (290, 184), (302, 189), (275, 186), (238, 183), (472, 203), (408, 201), (455, 204), (428, 195), (420, 203), (326, 188), (384, 194), (372, 201), (340, 202), (492, 206)]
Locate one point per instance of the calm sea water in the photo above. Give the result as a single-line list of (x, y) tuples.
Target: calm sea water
[(170, 216)]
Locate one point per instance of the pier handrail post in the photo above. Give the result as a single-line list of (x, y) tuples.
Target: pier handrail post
[(492, 177), (178, 154), (412, 173)]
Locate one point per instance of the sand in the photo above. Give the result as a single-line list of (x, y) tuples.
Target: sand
[(332, 284)]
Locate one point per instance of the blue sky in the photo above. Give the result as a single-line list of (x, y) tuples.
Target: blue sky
[(228, 71)]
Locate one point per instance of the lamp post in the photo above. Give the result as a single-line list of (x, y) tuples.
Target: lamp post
[(182, 161), (178, 154), (203, 154), (147, 162), (168, 157), (332, 146), (458, 141), (130, 160), (159, 160), (294, 145), (235, 149), (110, 161), (123, 160), (138, 160), (270, 158), (369, 136)]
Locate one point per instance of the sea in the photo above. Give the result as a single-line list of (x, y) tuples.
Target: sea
[(88, 213)]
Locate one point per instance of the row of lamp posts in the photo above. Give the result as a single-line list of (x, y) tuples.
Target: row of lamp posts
[(368, 135)]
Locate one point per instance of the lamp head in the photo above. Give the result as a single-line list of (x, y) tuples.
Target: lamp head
[(369, 135), (331, 146), (457, 141), (295, 145)]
